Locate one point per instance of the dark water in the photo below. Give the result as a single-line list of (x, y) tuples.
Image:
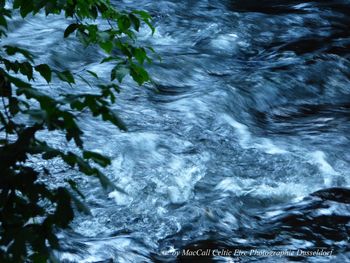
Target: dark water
[(248, 116)]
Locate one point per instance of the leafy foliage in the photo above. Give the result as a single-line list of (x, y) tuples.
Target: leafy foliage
[(31, 212)]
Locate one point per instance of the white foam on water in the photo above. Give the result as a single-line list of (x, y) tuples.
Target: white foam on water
[(238, 186), (267, 146), (318, 158), (241, 130), (246, 140), (108, 248), (283, 191), (234, 185), (227, 42), (182, 184), (120, 198)]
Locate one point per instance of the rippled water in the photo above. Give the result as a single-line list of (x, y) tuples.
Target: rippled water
[(247, 117)]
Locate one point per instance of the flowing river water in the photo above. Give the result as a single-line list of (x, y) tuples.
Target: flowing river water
[(247, 118)]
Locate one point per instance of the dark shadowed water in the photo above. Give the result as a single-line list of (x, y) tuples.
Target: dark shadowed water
[(248, 116)]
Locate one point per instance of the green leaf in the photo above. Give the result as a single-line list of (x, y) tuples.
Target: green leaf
[(83, 37), (6, 12), (108, 184), (93, 31), (17, 4), (80, 205), (139, 74), (116, 120), (113, 86), (145, 18), (109, 59), (119, 72), (142, 14), (85, 166), (140, 54), (3, 21), (135, 21), (45, 71), (71, 127), (151, 48), (11, 50), (124, 23), (70, 29), (65, 76), (93, 12), (109, 115), (92, 73), (50, 155), (75, 187), (18, 82), (64, 213), (42, 147), (51, 7), (105, 182), (85, 80), (107, 46), (26, 69), (70, 159), (13, 106), (5, 86), (37, 115), (26, 8), (32, 93), (96, 157), (124, 48)]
